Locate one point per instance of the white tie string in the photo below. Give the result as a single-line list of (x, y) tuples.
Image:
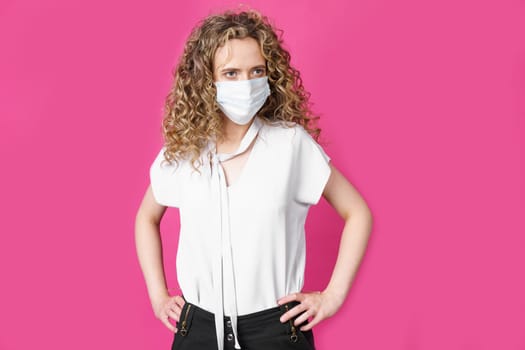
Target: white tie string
[(223, 268)]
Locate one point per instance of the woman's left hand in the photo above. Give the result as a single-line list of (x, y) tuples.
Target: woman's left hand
[(318, 305)]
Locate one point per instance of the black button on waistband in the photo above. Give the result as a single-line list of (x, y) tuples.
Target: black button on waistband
[(229, 337), (229, 324)]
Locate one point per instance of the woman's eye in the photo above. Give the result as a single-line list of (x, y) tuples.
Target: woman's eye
[(258, 71), (230, 74)]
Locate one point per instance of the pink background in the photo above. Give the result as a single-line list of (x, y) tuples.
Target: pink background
[(422, 109)]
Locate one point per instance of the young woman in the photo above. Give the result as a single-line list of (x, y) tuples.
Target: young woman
[(242, 164)]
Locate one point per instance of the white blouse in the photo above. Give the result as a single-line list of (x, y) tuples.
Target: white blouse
[(242, 247)]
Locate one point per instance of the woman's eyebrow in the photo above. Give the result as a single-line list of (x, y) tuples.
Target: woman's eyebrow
[(230, 69)]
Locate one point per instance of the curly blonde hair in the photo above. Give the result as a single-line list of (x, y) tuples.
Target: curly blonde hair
[(192, 116)]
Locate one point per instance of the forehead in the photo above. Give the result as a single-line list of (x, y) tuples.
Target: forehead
[(238, 53)]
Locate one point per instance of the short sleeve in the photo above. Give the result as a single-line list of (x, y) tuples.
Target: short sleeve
[(312, 168), (165, 181)]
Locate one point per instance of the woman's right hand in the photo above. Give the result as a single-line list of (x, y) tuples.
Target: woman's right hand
[(169, 307)]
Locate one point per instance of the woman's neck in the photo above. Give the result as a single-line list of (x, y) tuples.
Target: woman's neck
[(233, 134)]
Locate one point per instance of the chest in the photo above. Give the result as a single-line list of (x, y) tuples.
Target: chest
[(260, 177), (234, 167)]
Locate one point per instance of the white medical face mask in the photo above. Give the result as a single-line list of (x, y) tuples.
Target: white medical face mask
[(241, 99)]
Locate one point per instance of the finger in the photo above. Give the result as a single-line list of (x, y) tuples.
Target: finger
[(296, 310), (174, 313), (179, 300), (168, 324), (288, 298), (312, 323), (173, 306), (176, 308), (302, 318)]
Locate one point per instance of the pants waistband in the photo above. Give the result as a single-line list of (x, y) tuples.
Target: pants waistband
[(269, 314), (250, 326)]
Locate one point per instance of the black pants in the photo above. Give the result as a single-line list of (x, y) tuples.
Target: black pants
[(256, 331)]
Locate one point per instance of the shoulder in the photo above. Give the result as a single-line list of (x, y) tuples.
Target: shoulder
[(162, 165), (297, 139)]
